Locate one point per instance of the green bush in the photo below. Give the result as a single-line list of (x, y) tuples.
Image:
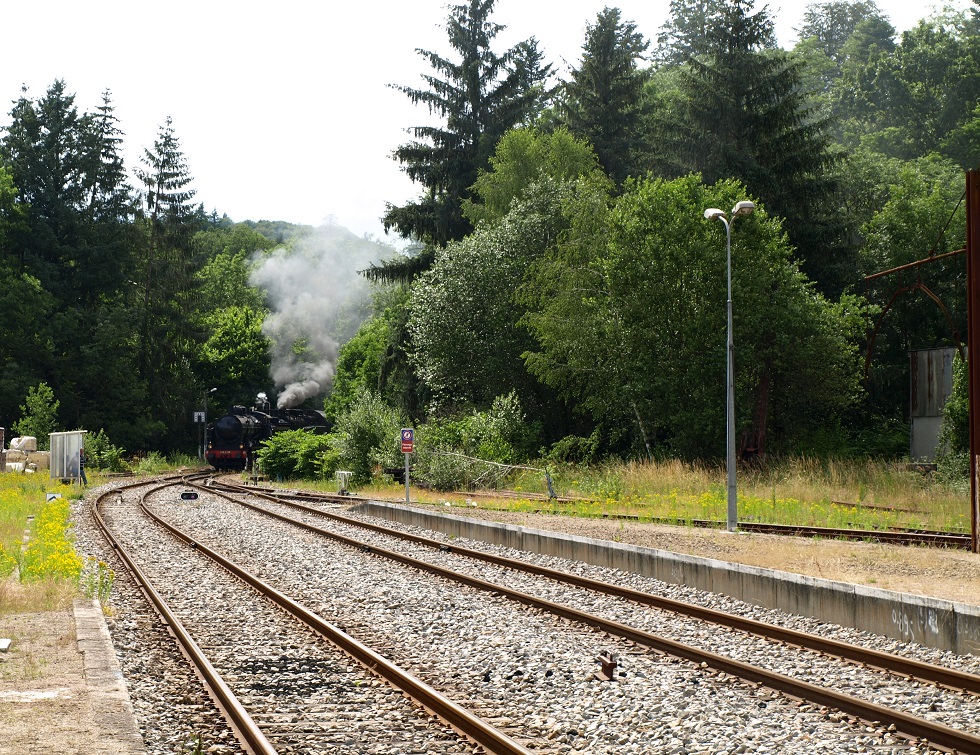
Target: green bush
[(367, 436), (293, 454), (499, 434), (101, 454), (151, 464), (576, 449), (953, 455)]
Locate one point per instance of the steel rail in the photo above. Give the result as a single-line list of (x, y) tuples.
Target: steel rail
[(244, 727), (894, 536), (886, 661), (460, 719), (911, 726)]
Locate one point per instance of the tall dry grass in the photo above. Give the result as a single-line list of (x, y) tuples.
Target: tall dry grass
[(858, 493)]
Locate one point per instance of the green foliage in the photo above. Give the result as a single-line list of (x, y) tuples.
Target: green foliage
[(577, 450), (293, 454), (359, 364), (101, 454), (740, 111), (50, 553), (39, 415), (27, 348), (686, 31), (629, 312), (464, 314), (603, 100), (366, 436), (501, 434), (97, 579), (923, 94), (224, 278), (151, 463), (953, 457), (917, 216), (235, 355), (480, 97), (523, 158)]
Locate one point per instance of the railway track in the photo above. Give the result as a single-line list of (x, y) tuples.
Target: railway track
[(892, 536), (280, 689), (912, 726)]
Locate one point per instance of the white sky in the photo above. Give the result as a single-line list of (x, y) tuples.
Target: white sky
[(282, 108)]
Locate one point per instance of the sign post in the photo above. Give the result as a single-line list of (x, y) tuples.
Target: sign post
[(199, 419), (408, 446)]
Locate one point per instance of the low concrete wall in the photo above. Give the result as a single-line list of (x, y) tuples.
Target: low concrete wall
[(911, 618)]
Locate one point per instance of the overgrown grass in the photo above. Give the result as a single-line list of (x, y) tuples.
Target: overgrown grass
[(47, 567), (821, 492), (863, 494), (154, 463)]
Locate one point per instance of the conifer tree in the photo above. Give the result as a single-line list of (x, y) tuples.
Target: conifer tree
[(108, 192), (43, 148), (603, 99), (744, 114), (479, 96), (167, 337)]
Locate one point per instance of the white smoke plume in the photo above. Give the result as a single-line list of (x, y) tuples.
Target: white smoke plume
[(317, 300)]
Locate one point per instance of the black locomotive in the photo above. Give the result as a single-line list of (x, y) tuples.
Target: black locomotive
[(233, 439)]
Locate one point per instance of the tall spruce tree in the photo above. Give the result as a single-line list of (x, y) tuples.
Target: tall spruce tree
[(744, 114), (44, 148), (603, 98), (107, 190), (167, 338), (480, 96)]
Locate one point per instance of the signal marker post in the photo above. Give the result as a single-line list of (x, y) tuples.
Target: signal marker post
[(408, 446)]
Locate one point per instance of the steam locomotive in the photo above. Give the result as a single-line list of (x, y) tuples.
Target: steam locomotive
[(233, 439)]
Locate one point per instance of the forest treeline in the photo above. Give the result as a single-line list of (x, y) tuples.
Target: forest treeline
[(563, 293)]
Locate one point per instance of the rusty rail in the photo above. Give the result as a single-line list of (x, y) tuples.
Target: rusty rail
[(469, 725), (910, 726), (244, 727)]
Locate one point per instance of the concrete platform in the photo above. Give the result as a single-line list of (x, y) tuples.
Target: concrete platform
[(112, 709), (927, 621)]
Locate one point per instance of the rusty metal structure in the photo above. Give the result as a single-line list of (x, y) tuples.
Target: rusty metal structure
[(973, 340), (972, 251)]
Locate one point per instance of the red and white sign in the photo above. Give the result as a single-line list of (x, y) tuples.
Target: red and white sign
[(408, 440)]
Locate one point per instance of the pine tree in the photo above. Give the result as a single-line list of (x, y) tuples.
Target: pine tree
[(603, 99), (167, 337), (107, 190), (165, 176), (744, 114), (44, 150), (480, 96)]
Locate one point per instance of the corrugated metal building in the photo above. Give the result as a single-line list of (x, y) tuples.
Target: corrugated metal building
[(931, 384)]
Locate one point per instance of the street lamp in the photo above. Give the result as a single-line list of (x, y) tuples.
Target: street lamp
[(742, 208)]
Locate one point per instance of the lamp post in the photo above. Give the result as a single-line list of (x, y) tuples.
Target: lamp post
[(742, 208)]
